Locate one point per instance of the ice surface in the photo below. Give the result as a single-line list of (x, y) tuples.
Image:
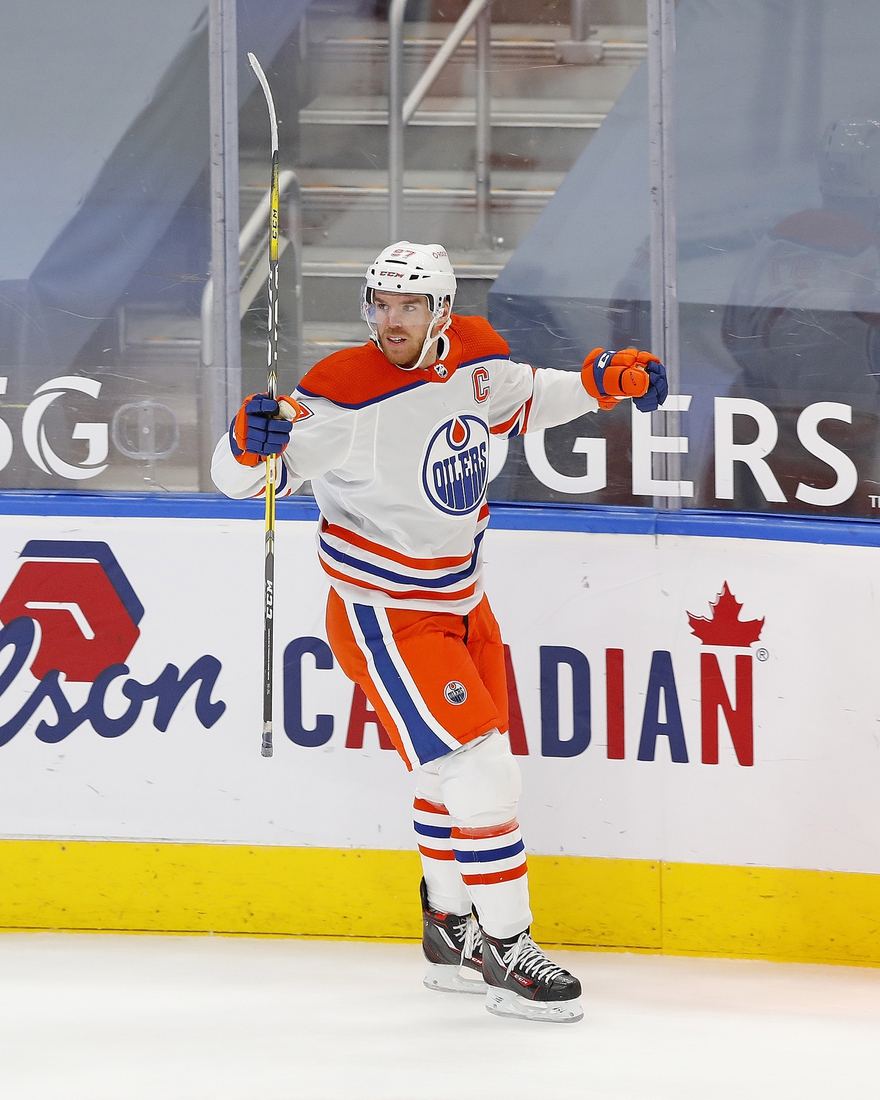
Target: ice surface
[(111, 1017)]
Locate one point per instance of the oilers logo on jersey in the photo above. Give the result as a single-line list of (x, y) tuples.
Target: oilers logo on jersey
[(456, 465)]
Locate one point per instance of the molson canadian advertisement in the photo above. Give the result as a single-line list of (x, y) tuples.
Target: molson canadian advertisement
[(691, 698)]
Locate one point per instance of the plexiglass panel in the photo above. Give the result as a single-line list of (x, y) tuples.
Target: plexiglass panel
[(104, 231), (107, 331), (778, 174)]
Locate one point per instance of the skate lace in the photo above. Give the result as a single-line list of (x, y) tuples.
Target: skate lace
[(472, 938), (532, 961), (462, 931)]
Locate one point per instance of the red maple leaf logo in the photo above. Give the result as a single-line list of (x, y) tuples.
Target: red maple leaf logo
[(725, 626)]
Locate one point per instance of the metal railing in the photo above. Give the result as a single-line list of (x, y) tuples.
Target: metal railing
[(401, 110), (255, 270)]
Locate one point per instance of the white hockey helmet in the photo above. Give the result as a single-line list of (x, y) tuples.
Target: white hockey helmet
[(849, 163), (407, 268)]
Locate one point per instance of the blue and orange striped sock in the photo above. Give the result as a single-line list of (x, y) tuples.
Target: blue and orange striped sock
[(492, 863), (433, 826)]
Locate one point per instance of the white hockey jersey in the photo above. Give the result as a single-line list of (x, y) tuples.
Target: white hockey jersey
[(399, 462)]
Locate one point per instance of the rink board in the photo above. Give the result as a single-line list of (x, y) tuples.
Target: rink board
[(699, 730), (632, 905)]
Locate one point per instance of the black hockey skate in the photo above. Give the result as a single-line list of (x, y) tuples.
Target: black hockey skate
[(524, 983), (452, 946)]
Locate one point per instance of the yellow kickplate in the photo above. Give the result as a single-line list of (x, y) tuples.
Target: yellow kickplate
[(623, 904), (772, 913)]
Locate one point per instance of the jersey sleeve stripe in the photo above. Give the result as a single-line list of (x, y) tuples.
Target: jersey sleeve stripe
[(527, 412), (516, 424), (504, 427)]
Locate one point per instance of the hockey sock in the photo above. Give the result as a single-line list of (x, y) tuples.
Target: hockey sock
[(433, 826), (492, 862)]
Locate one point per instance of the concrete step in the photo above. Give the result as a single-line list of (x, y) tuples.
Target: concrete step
[(447, 216), (547, 13), (350, 208), (505, 179), (444, 111), (351, 132), (521, 65), (632, 35), (422, 199), (514, 46)]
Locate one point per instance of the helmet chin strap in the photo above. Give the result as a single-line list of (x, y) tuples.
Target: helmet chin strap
[(430, 340)]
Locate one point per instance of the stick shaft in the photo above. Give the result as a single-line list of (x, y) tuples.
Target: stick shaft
[(269, 614), (272, 390)]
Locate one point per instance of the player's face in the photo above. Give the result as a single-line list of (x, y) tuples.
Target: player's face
[(402, 323)]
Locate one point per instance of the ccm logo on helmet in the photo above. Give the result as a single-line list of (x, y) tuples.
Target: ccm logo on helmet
[(393, 274)]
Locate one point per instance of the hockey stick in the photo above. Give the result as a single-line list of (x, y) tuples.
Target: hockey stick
[(272, 390)]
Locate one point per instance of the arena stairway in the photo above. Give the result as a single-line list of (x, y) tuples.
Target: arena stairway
[(330, 84), (543, 115)]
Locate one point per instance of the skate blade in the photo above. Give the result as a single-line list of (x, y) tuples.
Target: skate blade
[(448, 979), (504, 1002)]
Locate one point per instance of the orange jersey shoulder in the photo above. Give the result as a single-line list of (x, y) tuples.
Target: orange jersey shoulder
[(478, 340), (355, 377)]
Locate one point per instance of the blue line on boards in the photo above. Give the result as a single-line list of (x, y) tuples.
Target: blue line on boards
[(521, 516)]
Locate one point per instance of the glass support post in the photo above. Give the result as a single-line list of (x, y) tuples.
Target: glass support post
[(581, 48), (483, 142), (395, 119), (221, 390), (664, 282), (580, 20)]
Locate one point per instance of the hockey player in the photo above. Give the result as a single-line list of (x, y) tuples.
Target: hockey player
[(394, 436)]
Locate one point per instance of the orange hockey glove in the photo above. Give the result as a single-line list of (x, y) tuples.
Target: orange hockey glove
[(262, 426), (611, 375)]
